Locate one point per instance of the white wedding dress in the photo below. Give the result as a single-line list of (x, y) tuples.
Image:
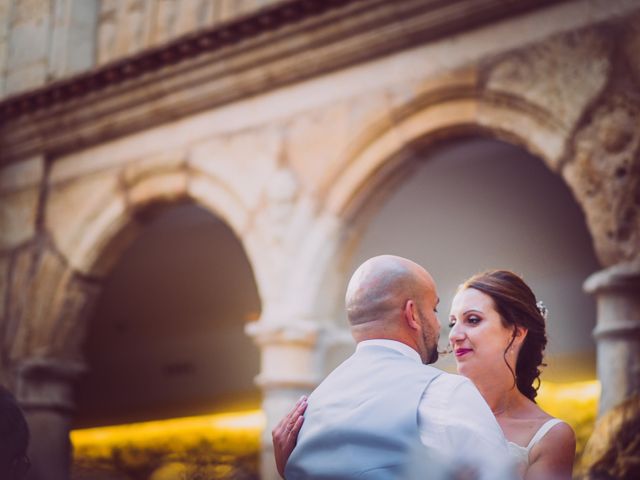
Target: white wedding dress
[(520, 455)]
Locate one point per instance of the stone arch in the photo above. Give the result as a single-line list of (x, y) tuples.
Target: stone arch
[(436, 116), (113, 224), (71, 265), (59, 279), (380, 156)]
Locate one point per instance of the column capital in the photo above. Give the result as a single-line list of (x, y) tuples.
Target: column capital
[(303, 332), (289, 352), (47, 383), (619, 277)]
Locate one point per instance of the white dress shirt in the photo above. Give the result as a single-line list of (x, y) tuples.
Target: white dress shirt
[(453, 419)]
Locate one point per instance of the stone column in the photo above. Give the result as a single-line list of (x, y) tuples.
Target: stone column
[(45, 393), (290, 367), (617, 333)]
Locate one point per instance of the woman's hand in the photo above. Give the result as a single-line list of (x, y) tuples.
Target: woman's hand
[(285, 434)]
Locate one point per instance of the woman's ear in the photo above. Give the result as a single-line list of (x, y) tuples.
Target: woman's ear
[(520, 334)]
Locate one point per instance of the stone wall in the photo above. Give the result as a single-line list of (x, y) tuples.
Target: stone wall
[(126, 27), (46, 40)]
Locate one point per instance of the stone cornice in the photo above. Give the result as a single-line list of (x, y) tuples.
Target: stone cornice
[(280, 45)]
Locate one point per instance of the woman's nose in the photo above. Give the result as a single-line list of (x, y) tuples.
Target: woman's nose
[(456, 334)]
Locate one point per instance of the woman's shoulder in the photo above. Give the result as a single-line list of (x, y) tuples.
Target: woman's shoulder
[(556, 440)]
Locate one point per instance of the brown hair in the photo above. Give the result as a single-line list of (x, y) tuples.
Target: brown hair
[(612, 449), (516, 304)]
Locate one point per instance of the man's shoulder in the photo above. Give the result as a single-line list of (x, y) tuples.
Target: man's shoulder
[(452, 379), (453, 384)]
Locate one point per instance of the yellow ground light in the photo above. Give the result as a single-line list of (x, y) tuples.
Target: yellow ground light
[(575, 403), (220, 442), (210, 446)]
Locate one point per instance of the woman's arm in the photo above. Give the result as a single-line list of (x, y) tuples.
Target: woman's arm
[(285, 434), (552, 458)]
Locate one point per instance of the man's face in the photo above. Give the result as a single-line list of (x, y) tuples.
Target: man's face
[(427, 313), (429, 338)]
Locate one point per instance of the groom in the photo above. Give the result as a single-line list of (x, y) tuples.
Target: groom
[(384, 409)]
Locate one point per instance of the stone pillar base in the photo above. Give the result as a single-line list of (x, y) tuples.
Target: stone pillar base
[(45, 393), (617, 333), (289, 369)]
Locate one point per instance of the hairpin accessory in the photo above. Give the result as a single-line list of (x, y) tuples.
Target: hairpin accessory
[(542, 308)]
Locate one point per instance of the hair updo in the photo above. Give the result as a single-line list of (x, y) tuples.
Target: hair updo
[(516, 304)]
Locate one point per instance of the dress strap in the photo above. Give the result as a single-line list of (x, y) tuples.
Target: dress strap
[(542, 431)]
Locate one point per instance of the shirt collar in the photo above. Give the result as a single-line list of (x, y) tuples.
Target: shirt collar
[(404, 349)]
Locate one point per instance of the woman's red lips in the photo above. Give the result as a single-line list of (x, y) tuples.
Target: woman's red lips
[(462, 351)]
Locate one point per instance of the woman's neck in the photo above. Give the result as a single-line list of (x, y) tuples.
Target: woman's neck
[(501, 394)]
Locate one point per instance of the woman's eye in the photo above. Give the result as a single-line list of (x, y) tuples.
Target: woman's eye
[(451, 323), (473, 319)]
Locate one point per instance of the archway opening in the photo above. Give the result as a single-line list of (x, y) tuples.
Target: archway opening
[(475, 203), (166, 338)]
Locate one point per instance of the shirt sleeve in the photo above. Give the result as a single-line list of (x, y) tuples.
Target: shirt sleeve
[(456, 423)]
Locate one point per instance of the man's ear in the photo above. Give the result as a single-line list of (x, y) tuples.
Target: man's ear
[(410, 317)]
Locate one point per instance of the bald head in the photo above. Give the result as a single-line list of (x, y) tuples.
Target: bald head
[(380, 287)]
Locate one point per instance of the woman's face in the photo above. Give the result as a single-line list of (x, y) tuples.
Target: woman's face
[(477, 336)]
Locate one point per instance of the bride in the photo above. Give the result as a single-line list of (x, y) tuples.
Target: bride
[(498, 338)]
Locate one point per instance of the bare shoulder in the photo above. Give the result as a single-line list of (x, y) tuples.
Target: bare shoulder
[(560, 435), (553, 455)]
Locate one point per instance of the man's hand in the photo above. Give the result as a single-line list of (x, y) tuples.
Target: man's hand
[(285, 434)]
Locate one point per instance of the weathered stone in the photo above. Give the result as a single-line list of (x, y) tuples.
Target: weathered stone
[(72, 306), (45, 393), (3, 65), (562, 75), (188, 16), (106, 37), (162, 22), (277, 213), (604, 174), (73, 38), (631, 46), (5, 10), (25, 77), (99, 211), (21, 296), (47, 306), (219, 200), (29, 32), (130, 29), (4, 290), (617, 290), (506, 118), (245, 159), (30, 11), (38, 312), (168, 187), (18, 215), (127, 27), (16, 176), (166, 162), (316, 143)]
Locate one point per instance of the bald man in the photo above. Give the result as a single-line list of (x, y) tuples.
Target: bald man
[(368, 417)]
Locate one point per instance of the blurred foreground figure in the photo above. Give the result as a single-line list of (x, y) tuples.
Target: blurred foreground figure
[(385, 413), (613, 451), (14, 438)]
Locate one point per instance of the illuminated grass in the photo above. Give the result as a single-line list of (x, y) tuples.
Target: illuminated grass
[(212, 446), (575, 403)]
